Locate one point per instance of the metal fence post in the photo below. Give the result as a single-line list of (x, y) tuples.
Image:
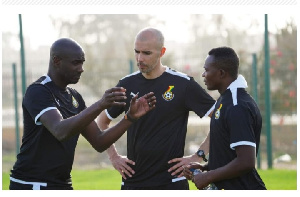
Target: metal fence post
[(267, 95), (16, 108), (22, 56), (130, 66), (255, 95)]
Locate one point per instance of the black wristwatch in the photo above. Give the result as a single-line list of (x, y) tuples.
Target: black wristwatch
[(201, 154)]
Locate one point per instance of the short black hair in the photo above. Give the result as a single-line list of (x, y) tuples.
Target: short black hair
[(226, 59)]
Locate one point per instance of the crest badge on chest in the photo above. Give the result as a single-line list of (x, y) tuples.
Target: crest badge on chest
[(218, 112), (168, 95), (74, 102)]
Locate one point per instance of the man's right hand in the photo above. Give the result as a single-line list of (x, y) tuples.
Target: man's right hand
[(120, 163), (113, 97), (193, 165)]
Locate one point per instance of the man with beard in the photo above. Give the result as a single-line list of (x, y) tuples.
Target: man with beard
[(155, 142)]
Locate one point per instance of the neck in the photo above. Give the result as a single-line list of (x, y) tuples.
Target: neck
[(226, 84), (56, 80)]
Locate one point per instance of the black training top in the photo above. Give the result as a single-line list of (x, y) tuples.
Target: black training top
[(42, 157), (159, 136), (236, 121)]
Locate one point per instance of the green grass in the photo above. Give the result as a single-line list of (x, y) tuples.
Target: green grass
[(279, 179), (109, 179)]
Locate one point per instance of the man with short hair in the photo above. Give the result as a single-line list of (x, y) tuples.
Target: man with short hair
[(54, 116), (235, 128), (155, 142)]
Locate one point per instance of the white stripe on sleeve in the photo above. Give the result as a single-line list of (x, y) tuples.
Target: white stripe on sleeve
[(247, 143)]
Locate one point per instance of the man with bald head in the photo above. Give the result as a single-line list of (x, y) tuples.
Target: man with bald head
[(54, 117), (155, 142)]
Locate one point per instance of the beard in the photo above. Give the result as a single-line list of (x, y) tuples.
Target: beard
[(144, 68)]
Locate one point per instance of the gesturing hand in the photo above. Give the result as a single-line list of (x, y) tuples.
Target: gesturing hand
[(113, 97), (139, 107)]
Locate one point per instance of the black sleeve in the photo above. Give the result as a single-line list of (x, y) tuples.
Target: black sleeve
[(197, 99), (239, 122), (37, 100)]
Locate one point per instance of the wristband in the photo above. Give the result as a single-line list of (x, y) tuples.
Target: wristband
[(128, 117)]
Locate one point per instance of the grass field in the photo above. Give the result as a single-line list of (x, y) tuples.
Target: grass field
[(109, 179)]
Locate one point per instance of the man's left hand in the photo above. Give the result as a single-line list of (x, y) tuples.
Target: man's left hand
[(177, 169), (140, 106)]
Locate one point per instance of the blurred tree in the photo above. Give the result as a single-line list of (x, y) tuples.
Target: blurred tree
[(283, 70)]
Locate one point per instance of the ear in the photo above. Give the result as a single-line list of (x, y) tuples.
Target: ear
[(222, 73), (162, 52), (56, 60)]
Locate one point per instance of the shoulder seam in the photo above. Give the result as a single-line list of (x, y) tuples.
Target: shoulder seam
[(177, 73), (134, 73), (46, 80)]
